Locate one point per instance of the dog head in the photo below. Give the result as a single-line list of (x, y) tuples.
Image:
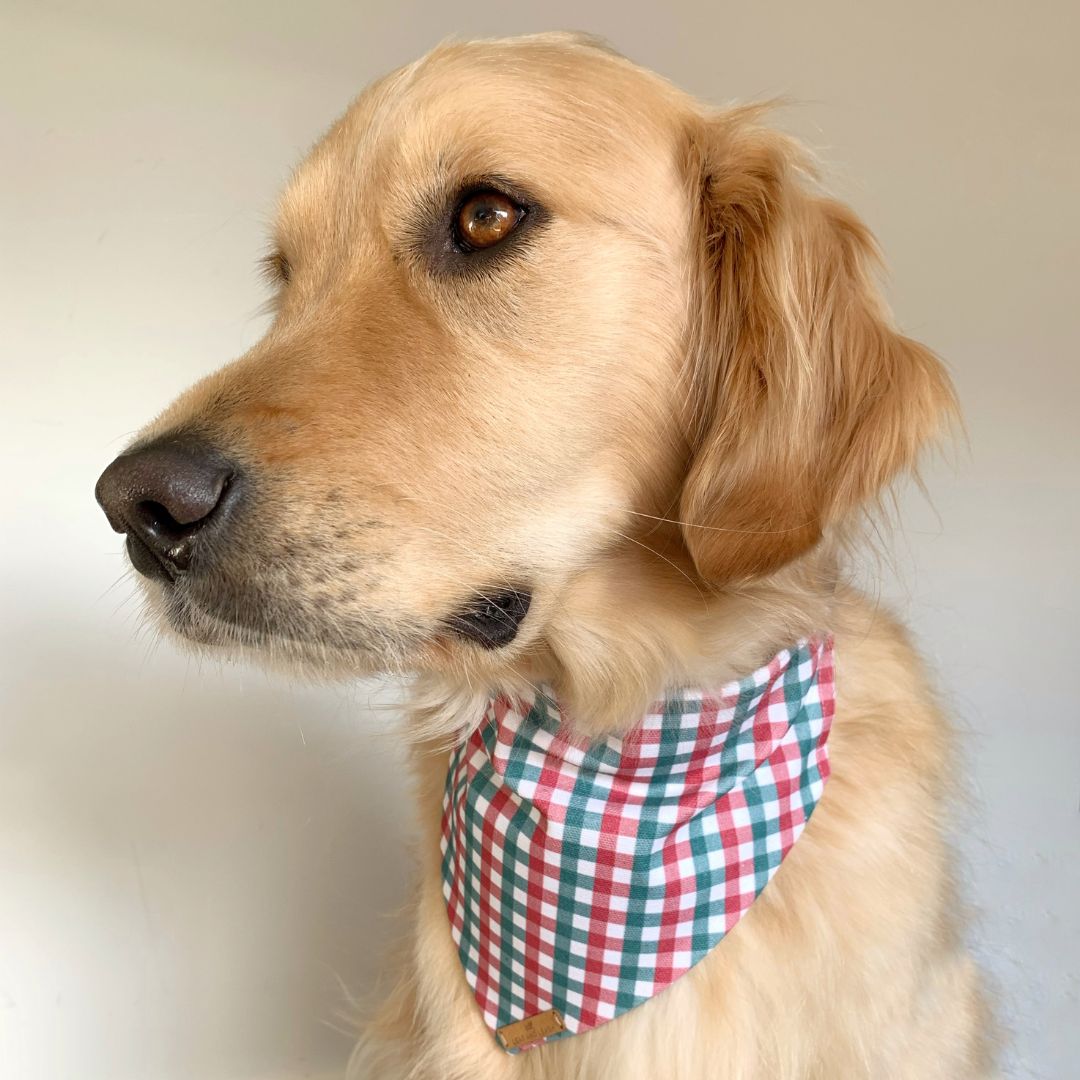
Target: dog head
[(535, 310)]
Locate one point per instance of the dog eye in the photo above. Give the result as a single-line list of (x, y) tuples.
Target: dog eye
[(485, 219)]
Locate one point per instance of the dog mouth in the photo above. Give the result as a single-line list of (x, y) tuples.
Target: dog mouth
[(242, 619), (272, 628), (491, 619)]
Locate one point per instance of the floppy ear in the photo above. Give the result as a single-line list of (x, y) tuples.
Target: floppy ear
[(807, 401)]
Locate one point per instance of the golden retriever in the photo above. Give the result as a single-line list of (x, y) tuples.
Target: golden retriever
[(574, 381)]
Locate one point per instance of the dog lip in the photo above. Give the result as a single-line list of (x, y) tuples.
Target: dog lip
[(191, 614), (492, 619), (146, 562)]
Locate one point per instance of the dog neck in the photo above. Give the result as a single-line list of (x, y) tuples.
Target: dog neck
[(627, 630)]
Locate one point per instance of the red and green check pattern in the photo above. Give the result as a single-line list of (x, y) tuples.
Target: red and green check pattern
[(587, 877)]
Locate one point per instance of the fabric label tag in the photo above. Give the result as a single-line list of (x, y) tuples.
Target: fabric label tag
[(531, 1029)]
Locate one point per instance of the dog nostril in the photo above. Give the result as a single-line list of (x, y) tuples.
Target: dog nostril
[(161, 519), (158, 517)]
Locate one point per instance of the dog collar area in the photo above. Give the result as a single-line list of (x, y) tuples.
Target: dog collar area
[(583, 878)]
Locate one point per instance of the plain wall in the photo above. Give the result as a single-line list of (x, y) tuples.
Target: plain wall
[(194, 859)]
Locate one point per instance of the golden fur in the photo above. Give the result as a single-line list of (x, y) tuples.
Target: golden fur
[(664, 413)]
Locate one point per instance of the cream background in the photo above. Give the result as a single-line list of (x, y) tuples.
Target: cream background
[(190, 857)]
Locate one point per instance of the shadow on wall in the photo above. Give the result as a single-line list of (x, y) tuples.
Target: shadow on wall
[(192, 845)]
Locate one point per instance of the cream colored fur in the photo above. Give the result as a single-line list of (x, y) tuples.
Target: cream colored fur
[(664, 413), (850, 964)]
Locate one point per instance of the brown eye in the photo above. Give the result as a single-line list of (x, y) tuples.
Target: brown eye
[(485, 219)]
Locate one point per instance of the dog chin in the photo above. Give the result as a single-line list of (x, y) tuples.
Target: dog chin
[(312, 652)]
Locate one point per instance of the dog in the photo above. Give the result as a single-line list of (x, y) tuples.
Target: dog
[(578, 393)]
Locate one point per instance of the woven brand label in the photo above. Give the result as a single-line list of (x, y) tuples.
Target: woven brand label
[(531, 1029)]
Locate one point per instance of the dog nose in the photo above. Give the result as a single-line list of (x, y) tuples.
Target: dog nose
[(167, 497)]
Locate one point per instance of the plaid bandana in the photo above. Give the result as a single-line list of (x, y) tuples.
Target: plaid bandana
[(581, 879)]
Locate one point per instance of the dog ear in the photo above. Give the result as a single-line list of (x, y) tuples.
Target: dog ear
[(806, 400)]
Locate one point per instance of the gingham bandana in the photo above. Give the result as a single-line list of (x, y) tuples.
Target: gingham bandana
[(585, 878)]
